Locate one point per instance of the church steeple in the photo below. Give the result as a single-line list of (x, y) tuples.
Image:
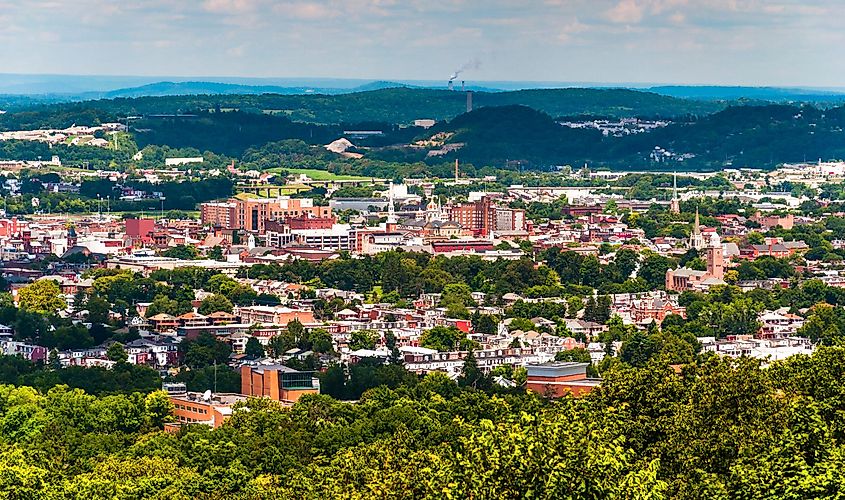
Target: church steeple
[(391, 210), (675, 206), (696, 240)]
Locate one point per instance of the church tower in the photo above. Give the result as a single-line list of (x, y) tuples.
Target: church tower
[(71, 237), (696, 239), (675, 206), (433, 212), (715, 257), (390, 225)]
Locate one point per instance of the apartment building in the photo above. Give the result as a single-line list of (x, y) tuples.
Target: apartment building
[(250, 214)]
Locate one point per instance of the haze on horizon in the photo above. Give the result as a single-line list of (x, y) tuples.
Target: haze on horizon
[(722, 42)]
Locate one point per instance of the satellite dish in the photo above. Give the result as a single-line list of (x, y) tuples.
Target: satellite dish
[(206, 395)]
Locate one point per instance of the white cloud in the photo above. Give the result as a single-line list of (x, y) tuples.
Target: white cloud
[(230, 6), (626, 12), (306, 10)]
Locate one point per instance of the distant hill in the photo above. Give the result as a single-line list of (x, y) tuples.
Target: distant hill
[(611, 103), (381, 85), (739, 136), (752, 136), (504, 126), (400, 105), (197, 88), (496, 135), (160, 89), (770, 94)]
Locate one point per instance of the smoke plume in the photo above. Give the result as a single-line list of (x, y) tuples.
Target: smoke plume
[(473, 63)]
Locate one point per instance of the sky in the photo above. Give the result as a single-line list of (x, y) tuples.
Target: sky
[(725, 42)]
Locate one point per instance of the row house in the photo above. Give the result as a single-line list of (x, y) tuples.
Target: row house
[(81, 357), (29, 352), (276, 315), (421, 360), (262, 332), (584, 329), (779, 324), (161, 353), (770, 349), (165, 322)]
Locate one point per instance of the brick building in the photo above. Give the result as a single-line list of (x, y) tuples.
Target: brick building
[(478, 216), (558, 379), (482, 217), (250, 214), (277, 382), (220, 214), (140, 230), (197, 408), (274, 315)]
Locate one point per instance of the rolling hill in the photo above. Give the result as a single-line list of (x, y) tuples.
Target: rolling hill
[(740, 136), (387, 105)]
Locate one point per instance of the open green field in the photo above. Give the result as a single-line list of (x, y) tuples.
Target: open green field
[(320, 175)]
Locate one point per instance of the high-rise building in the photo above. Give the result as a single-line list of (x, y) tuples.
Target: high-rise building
[(251, 213), (218, 214), (478, 217), (510, 219)]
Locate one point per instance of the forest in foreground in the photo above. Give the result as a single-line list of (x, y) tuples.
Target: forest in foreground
[(716, 428)]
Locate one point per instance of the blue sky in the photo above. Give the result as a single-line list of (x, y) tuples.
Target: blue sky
[(748, 42)]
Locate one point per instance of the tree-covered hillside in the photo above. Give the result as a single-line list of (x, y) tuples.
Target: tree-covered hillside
[(497, 135), (505, 129), (753, 136), (391, 105)]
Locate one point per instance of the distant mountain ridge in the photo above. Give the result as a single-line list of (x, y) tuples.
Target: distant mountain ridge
[(49, 88), (733, 93), (196, 88)]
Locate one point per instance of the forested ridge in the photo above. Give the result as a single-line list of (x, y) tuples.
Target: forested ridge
[(760, 136), (507, 130), (391, 105)]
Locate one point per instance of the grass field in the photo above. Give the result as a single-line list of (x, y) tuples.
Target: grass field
[(320, 175)]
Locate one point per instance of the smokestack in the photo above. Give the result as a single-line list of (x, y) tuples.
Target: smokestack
[(463, 85), (469, 101), (457, 175), (450, 85)]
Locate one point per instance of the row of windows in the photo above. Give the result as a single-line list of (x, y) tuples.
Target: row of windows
[(189, 420), (191, 408)]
